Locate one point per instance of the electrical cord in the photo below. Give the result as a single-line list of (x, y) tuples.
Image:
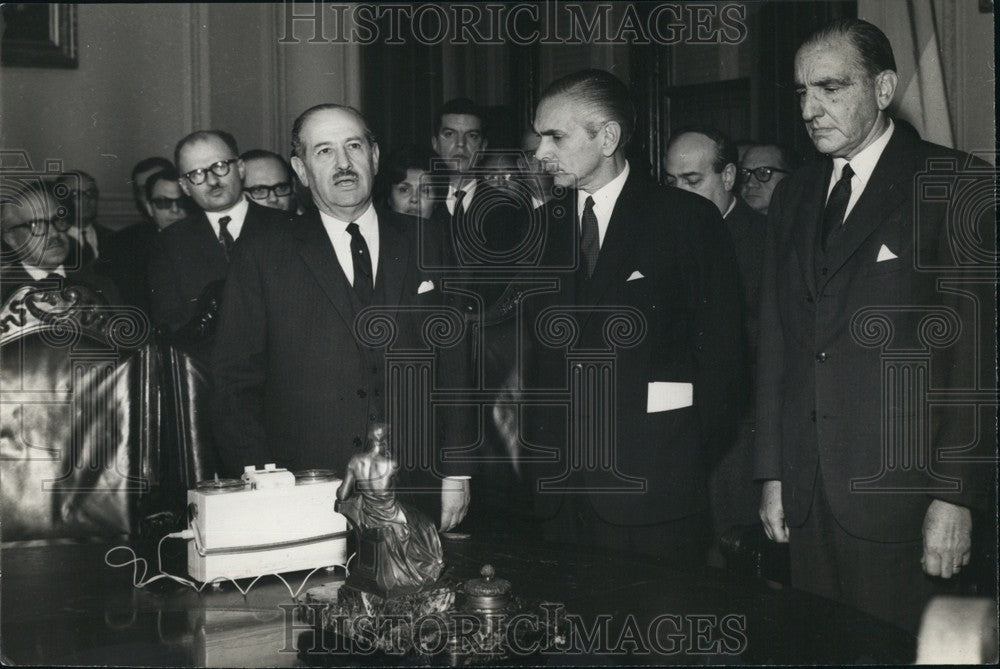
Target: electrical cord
[(140, 581)]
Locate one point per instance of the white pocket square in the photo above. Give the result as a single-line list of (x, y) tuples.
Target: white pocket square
[(667, 395), (634, 276), (425, 287), (885, 254)]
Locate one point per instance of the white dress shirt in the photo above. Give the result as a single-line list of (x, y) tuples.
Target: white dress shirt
[(39, 273), (336, 230), (470, 191), (863, 165), (604, 203), (237, 215)]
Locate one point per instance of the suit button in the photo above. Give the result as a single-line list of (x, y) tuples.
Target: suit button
[(821, 357), (809, 299), (824, 271), (357, 442), (372, 417), (812, 416), (361, 393)]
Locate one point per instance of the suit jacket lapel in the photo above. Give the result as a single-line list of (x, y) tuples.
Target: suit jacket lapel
[(393, 257), (883, 193), (319, 256), (808, 217), (204, 238), (618, 240)]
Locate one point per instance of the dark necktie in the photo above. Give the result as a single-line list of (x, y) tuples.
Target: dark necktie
[(225, 238), (589, 240), (363, 284), (459, 194), (836, 207)]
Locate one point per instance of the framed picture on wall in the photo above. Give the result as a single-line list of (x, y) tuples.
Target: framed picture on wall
[(38, 35)]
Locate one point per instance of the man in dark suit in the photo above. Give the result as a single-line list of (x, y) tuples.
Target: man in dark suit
[(296, 383), (639, 332), (458, 137), (704, 161), (193, 254), (37, 249), (855, 466)]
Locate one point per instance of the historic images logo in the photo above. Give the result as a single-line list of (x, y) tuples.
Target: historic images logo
[(551, 22)]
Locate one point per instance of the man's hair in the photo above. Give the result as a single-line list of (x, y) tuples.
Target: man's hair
[(304, 116), (408, 157), (147, 164), (262, 154), (725, 148), (202, 135), (600, 94), (872, 46), (463, 106), (67, 177), (168, 174)]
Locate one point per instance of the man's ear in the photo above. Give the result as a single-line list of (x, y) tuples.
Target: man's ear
[(183, 183), (612, 138), (148, 206), (435, 144), (241, 169), (300, 170), (729, 177), (375, 154), (885, 88)]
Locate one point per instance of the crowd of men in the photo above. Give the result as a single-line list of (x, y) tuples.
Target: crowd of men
[(702, 326)]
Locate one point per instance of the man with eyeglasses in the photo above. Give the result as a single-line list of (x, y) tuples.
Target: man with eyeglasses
[(36, 246), (268, 180), (83, 194), (763, 167), (703, 161), (193, 254)]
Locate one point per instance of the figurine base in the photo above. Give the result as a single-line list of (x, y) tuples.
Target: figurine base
[(353, 623)]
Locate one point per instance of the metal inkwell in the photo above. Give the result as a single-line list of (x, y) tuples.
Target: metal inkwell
[(487, 594)]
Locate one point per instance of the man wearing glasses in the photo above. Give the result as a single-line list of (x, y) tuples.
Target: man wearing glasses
[(703, 161), (763, 168), (268, 180), (193, 254), (36, 249)]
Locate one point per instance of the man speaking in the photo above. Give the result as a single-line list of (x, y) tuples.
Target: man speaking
[(295, 383)]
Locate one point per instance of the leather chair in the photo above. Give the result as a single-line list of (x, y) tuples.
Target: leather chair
[(79, 452), (189, 447)]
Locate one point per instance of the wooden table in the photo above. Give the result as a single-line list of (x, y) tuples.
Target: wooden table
[(62, 605)]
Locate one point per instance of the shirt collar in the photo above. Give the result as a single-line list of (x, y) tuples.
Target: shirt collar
[(237, 214), (864, 163), (732, 205), (469, 189), (38, 273), (605, 196), (367, 222)]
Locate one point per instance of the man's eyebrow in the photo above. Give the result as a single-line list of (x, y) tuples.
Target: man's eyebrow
[(827, 82), (548, 133)]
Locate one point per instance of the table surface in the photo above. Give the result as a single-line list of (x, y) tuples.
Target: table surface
[(62, 605)]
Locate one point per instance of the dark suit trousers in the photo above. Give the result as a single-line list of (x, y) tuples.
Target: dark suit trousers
[(680, 544), (883, 579)]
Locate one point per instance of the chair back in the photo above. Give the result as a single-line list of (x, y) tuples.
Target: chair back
[(79, 418)]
